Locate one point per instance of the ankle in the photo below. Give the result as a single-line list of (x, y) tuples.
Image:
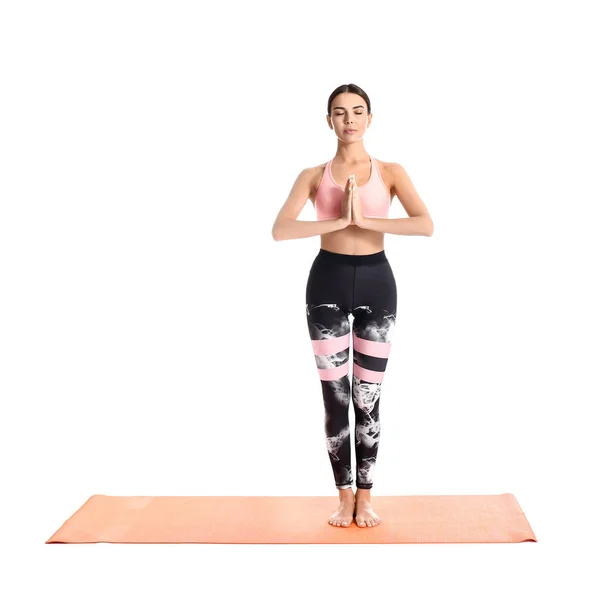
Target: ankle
[(346, 495), (363, 495)]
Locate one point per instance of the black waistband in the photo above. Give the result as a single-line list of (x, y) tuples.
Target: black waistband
[(370, 259)]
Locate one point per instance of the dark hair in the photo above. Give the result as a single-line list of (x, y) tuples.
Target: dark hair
[(352, 88)]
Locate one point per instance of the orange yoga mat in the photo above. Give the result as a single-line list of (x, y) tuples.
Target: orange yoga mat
[(263, 519)]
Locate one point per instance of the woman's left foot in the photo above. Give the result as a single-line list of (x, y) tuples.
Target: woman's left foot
[(365, 516)]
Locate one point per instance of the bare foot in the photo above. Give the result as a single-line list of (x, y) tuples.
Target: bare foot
[(365, 516), (343, 515)]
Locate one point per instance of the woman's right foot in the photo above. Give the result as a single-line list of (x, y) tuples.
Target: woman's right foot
[(344, 515)]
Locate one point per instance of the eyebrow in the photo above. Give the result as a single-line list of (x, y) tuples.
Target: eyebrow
[(355, 107)]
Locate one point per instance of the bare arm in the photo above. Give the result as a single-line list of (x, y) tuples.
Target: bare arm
[(287, 227), (419, 221)]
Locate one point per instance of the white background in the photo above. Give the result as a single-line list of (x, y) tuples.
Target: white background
[(153, 334)]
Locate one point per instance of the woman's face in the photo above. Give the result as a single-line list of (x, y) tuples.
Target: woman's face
[(349, 111)]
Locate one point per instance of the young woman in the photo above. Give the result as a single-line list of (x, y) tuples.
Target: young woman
[(351, 276)]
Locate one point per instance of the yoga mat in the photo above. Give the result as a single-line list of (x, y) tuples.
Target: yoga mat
[(294, 519)]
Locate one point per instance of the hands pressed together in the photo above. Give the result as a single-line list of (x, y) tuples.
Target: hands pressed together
[(351, 206)]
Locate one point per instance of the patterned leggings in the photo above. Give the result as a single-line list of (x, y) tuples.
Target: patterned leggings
[(363, 286)]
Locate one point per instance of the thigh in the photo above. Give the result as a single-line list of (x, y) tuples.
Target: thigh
[(329, 285), (328, 301), (374, 305)]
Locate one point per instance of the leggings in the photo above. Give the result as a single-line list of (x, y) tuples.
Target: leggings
[(363, 286)]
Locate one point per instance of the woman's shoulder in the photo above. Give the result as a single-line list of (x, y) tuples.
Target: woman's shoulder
[(386, 165), (315, 175), (388, 170)]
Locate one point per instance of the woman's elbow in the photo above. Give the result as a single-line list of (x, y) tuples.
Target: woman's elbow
[(429, 227), (275, 232)]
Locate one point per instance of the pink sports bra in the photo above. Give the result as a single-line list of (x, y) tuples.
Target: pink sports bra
[(374, 195)]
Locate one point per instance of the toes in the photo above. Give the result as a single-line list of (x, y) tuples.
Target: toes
[(367, 522), (339, 521)]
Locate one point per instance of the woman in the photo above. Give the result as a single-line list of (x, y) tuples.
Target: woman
[(351, 276)]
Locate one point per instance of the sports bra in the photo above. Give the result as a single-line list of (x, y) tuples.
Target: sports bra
[(374, 195)]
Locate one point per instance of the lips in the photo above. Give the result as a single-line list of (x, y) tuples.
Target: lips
[(349, 131)]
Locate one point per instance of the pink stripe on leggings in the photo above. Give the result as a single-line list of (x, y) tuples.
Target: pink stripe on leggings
[(371, 348), (368, 375), (334, 373), (335, 345)]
